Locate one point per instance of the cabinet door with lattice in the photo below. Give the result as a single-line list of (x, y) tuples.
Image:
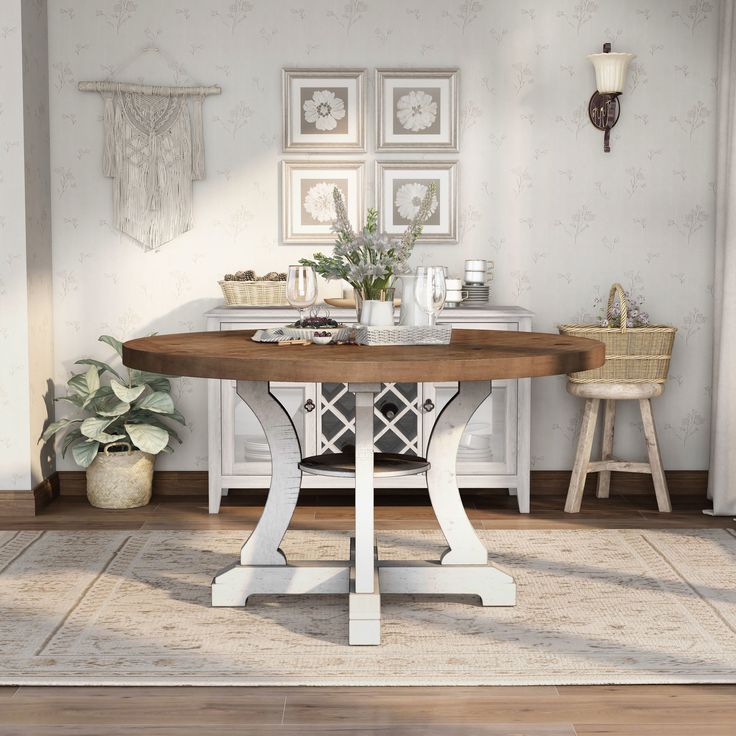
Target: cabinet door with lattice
[(397, 424)]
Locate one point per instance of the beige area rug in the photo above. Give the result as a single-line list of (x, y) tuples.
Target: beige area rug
[(594, 607)]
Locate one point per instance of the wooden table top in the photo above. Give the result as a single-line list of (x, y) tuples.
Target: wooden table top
[(473, 355)]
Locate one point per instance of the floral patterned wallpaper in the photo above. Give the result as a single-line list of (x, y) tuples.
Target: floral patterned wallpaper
[(560, 218)]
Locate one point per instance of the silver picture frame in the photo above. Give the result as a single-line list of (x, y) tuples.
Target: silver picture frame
[(302, 87), (302, 223), (417, 110), (442, 226)]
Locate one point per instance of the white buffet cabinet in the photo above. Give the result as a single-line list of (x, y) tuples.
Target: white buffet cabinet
[(494, 452)]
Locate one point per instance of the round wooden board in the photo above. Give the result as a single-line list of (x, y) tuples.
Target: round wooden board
[(473, 355), (342, 303)]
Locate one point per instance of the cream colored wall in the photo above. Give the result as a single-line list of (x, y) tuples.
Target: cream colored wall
[(14, 389), (39, 269), (561, 219)]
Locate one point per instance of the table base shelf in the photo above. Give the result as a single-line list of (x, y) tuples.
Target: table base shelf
[(385, 465)]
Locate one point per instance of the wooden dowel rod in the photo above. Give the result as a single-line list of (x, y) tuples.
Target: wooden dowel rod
[(622, 466), (146, 89)]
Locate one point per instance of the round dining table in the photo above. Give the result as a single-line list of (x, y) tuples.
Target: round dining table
[(473, 359)]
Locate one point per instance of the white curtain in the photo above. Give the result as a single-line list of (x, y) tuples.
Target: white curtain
[(722, 478)]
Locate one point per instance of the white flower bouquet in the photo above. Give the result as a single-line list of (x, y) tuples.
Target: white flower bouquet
[(369, 260)]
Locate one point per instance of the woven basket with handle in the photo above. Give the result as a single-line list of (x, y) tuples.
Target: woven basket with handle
[(254, 293), (633, 354)]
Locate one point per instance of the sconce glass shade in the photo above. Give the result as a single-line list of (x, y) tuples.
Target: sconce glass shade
[(610, 71)]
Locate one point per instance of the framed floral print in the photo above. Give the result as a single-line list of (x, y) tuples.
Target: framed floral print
[(324, 110), (308, 208), (417, 110), (400, 188)]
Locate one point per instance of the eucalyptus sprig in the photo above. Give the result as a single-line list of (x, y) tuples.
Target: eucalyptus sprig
[(128, 408)]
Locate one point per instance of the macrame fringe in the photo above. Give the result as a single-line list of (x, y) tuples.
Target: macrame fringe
[(108, 150), (197, 139), (153, 152)]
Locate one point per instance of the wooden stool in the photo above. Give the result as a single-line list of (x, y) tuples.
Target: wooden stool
[(610, 393)]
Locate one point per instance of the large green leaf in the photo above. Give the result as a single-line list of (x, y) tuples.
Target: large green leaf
[(112, 407), (113, 342), (72, 399), (148, 438), (125, 393), (153, 419), (99, 365), (74, 436), (96, 398), (159, 402), (176, 416), (94, 428), (54, 427), (85, 452), (156, 381), (86, 383)]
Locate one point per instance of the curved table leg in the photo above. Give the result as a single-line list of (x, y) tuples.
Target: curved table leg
[(262, 546), (465, 548)]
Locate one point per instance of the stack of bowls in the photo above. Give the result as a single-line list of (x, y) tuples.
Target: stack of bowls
[(477, 281)]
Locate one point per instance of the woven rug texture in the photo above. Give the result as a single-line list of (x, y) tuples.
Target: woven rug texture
[(594, 607)]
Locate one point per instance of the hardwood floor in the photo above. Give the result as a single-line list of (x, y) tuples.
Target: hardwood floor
[(461, 711)]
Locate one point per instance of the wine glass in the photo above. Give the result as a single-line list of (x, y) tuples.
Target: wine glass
[(301, 288), (430, 290)]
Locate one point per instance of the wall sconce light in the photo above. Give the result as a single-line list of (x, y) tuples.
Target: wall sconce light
[(610, 77)]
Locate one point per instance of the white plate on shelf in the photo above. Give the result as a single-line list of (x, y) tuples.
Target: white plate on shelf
[(472, 455)]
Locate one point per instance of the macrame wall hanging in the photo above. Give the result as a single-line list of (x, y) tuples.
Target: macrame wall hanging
[(154, 149)]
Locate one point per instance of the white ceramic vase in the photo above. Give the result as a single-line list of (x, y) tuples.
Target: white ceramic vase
[(377, 313)]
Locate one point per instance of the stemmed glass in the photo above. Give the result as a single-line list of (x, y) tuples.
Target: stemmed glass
[(430, 290), (301, 288)]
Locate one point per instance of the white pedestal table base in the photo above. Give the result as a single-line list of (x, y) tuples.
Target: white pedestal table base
[(462, 570)]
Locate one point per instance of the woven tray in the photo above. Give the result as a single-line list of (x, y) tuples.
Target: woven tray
[(633, 354), (254, 293), (404, 335)]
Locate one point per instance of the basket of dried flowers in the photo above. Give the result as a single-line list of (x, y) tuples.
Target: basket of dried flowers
[(636, 351), (245, 289)]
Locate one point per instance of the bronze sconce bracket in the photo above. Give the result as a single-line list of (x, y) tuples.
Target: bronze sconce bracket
[(603, 111)]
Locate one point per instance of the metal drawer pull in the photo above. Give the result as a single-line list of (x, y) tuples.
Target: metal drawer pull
[(309, 405), (428, 405)]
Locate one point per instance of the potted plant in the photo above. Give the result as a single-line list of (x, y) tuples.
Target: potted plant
[(121, 431), (370, 261)]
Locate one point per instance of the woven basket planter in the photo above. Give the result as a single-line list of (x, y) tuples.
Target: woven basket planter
[(254, 293), (633, 354), (120, 480)]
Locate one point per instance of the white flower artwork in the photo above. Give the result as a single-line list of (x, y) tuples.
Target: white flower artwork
[(409, 197), (416, 111), (324, 110), (400, 189), (319, 202)]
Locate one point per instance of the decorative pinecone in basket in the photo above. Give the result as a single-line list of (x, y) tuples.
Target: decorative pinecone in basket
[(250, 275)]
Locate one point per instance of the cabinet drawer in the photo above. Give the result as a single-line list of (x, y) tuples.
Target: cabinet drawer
[(504, 326)]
